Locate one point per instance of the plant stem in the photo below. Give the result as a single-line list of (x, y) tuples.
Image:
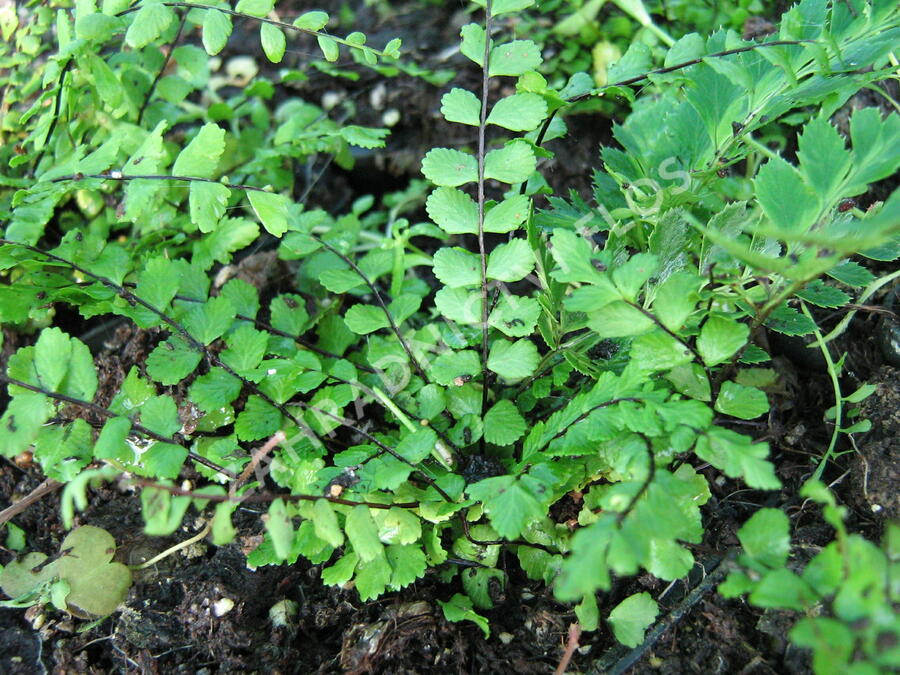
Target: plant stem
[(482, 127), (105, 412), (174, 549), (838, 399)]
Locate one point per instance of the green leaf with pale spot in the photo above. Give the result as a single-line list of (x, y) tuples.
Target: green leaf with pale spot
[(462, 305), (315, 20), (363, 534), (365, 319), (456, 267), (216, 31), (513, 163), (271, 209), (514, 58), (455, 367), (172, 361), (631, 618), (503, 423), (512, 261), (790, 204), (766, 537), (514, 315), (255, 7), (329, 47), (506, 216), (257, 420), (619, 319), (451, 168), (510, 504), (273, 42), (454, 211), (720, 338), (513, 360), (148, 24), (461, 106), (207, 203), (459, 608), (519, 112), (210, 320), (200, 157), (746, 403)]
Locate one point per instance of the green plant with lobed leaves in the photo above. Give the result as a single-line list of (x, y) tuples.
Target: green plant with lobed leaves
[(436, 389)]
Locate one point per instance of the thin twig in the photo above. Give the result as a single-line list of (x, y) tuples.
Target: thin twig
[(615, 662), (174, 549), (262, 497), (651, 473), (106, 412), (584, 415), (265, 449), (482, 129), (162, 69), (195, 344), (306, 344), (56, 108), (380, 299), (119, 176), (571, 646), (41, 491), (273, 22)]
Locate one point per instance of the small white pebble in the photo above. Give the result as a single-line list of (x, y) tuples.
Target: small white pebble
[(506, 638), (390, 117), (877, 508), (378, 96), (241, 69), (331, 98), (222, 606), (38, 621), (282, 612)]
